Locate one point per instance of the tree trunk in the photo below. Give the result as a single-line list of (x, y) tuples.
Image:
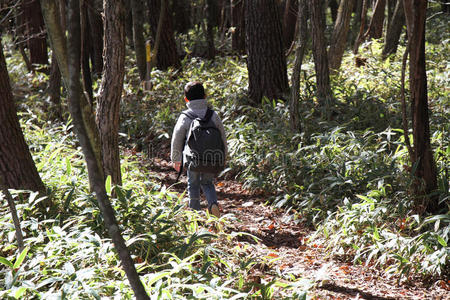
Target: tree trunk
[(128, 23), (76, 106), (319, 43), (355, 26), (266, 62), (85, 52), (16, 164), (238, 23), (57, 37), (211, 22), (35, 32), (360, 36), (111, 87), (334, 6), (425, 171), (181, 12), (394, 30), (302, 38), (96, 33), (167, 55), (340, 34), (375, 30), (289, 20), (138, 36), (54, 87), (14, 215)]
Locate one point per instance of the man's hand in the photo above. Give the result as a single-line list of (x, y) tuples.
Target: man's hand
[(177, 166)]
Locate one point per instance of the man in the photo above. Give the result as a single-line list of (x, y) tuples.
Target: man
[(180, 151)]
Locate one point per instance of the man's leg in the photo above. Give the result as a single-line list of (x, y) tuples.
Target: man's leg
[(194, 189), (207, 184)]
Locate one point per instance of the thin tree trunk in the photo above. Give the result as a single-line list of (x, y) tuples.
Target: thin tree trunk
[(138, 36), (76, 106), (360, 37), (334, 6), (96, 35), (289, 21), (302, 38), (14, 215), (375, 30), (423, 160), (85, 53), (181, 12), (394, 30), (57, 39), (340, 34), (355, 26), (111, 87), (211, 22), (54, 87), (238, 23), (319, 43), (16, 163)]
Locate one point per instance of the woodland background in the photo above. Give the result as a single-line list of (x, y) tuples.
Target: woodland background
[(337, 114)]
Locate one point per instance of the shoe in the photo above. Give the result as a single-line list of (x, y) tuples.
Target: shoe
[(214, 210)]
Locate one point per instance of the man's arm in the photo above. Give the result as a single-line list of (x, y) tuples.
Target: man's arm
[(177, 143)]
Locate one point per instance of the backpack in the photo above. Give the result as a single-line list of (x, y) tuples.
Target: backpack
[(205, 141)]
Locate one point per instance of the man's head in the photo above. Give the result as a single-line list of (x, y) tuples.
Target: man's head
[(194, 90)]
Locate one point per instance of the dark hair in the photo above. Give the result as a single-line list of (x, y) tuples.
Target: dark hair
[(194, 90)]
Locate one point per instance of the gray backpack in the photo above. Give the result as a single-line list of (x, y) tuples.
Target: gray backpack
[(206, 144)]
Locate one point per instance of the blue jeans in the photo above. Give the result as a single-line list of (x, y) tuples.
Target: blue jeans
[(205, 181)]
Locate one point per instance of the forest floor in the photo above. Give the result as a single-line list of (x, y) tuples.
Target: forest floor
[(283, 237)]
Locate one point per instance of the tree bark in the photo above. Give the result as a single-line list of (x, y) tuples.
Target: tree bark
[(76, 106), (16, 164), (324, 94), (85, 52), (289, 21), (394, 30), (302, 38), (211, 12), (14, 215), (167, 55), (266, 62), (96, 35), (425, 171), (107, 116), (138, 36), (334, 8), (51, 13), (340, 34), (238, 23), (375, 30), (181, 12), (54, 87), (35, 32), (360, 36)]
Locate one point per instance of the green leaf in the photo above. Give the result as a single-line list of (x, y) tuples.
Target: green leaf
[(441, 241), (108, 184), (21, 258), (5, 262), (19, 293)]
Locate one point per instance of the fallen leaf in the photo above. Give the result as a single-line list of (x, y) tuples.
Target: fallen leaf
[(273, 255)]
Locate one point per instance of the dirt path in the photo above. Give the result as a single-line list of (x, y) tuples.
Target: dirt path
[(284, 237)]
